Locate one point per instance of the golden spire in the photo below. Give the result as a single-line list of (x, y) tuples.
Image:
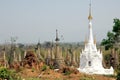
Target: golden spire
[(90, 16), (95, 40)]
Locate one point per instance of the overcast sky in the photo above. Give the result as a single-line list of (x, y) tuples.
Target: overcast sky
[(31, 20)]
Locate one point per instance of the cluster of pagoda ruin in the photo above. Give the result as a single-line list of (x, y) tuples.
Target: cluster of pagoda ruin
[(88, 60), (52, 54)]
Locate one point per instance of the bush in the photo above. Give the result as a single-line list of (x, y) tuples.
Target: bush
[(8, 74), (67, 70), (118, 76), (5, 74), (44, 67), (67, 73), (33, 69), (52, 67)]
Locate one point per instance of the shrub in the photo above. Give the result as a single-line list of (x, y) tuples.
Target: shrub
[(33, 69), (5, 74), (9, 74), (68, 70), (44, 67), (118, 76), (52, 67), (67, 73)]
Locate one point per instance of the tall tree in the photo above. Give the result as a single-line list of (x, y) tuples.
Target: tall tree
[(113, 41), (113, 38), (116, 30), (109, 42)]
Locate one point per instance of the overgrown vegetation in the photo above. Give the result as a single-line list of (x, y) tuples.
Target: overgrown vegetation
[(40, 53), (118, 70), (8, 74), (5, 74), (44, 67), (113, 42), (113, 38), (52, 67)]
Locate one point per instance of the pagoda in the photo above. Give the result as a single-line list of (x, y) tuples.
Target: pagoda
[(91, 58)]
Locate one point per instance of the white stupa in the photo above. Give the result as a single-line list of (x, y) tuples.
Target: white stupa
[(90, 57)]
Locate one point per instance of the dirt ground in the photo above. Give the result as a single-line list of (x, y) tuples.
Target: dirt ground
[(53, 75), (42, 72)]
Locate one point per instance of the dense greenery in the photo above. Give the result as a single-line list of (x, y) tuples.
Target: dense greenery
[(108, 43), (113, 38), (4, 73), (113, 41), (44, 67), (8, 74), (118, 69)]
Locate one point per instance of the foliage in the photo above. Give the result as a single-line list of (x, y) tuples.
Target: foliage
[(67, 72), (113, 41), (118, 71), (9, 74), (116, 27), (44, 67), (113, 38), (33, 69), (107, 58), (118, 76), (48, 44), (108, 43), (52, 67), (4, 73)]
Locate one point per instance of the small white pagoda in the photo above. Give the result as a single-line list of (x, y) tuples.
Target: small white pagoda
[(90, 57)]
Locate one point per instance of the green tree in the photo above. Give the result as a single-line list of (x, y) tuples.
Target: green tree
[(116, 27), (109, 42), (113, 38), (113, 41)]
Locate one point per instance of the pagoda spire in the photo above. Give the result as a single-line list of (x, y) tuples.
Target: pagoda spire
[(57, 39), (90, 37), (95, 40), (59, 62), (90, 15)]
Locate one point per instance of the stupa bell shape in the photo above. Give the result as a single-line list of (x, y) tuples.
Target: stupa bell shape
[(91, 58)]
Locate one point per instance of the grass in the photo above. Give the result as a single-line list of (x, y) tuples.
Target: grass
[(87, 78), (44, 79), (111, 76), (33, 79), (44, 67)]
